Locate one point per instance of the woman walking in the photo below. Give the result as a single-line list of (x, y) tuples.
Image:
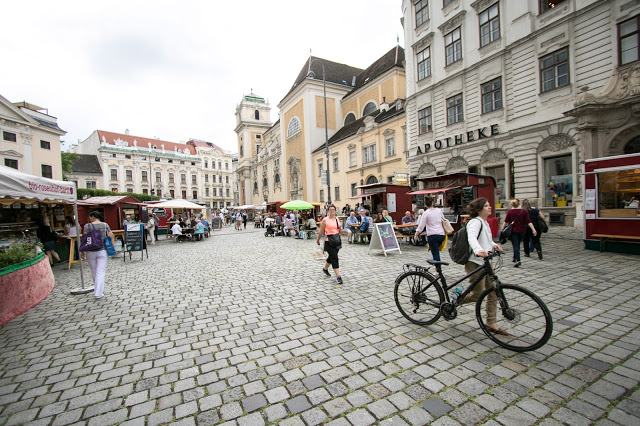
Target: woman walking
[(480, 241), (431, 221), (48, 239), (330, 225), (519, 220), (534, 216), (98, 258)]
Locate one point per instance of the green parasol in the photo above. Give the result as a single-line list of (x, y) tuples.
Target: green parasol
[(297, 205)]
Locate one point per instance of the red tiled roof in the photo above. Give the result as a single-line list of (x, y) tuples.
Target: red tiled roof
[(205, 144), (143, 142)]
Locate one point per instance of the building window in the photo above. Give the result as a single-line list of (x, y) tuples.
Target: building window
[(498, 173), (424, 120), (11, 163), (8, 136), (158, 177), (47, 171), (213, 179), (554, 70), (172, 193), (489, 25), (453, 46), (91, 184), (45, 144), (558, 174), (227, 179), (206, 192), (128, 175), (113, 155), (492, 95), (171, 178), (256, 114), (127, 156), (322, 195), (114, 174), (422, 12), (369, 108), (129, 189), (206, 164), (549, 4), (350, 118), (220, 164), (354, 191), (628, 40), (183, 179), (144, 175), (276, 179), (616, 193), (336, 192), (391, 147), (213, 165), (320, 169), (294, 127), (206, 178), (114, 189), (454, 109), (335, 164), (265, 183), (424, 63), (227, 195), (352, 159), (193, 179), (446, 3), (370, 153), (276, 163), (241, 151), (215, 192)]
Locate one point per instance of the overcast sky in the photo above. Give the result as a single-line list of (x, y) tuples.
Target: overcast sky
[(177, 69)]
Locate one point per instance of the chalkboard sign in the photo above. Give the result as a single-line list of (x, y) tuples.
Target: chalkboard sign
[(467, 195), (134, 239), (384, 238), (215, 223)]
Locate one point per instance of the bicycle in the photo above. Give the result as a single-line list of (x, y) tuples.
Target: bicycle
[(422, 298)]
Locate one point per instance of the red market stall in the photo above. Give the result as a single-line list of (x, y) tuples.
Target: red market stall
[(612, 204), (114, 208), (452, 193), (386, 196)]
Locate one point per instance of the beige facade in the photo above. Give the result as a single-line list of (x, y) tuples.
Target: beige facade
[(30, 139), (216, 174)]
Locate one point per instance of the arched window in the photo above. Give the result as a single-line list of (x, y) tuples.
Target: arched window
[(264, 182), (294, 127), (206, 164), (369, 108), (350, 118), (371, 179), (256, 115), (276, 179)]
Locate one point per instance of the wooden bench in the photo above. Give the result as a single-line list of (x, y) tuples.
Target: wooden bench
[(605, 237)]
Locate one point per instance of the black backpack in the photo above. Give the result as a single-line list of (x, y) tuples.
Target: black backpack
[(460, 250)]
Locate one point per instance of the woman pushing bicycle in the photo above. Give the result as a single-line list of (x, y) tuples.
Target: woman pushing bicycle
[(481, 243)]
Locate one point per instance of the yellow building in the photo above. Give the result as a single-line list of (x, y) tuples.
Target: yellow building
[(30, 139)]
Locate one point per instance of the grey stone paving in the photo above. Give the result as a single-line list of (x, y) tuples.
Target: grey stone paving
[(243, 329)]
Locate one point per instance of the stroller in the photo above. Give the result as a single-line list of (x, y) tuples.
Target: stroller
[(270, 230)]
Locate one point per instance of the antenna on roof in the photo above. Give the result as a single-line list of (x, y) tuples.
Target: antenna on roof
[(398, 38), (353, 81)]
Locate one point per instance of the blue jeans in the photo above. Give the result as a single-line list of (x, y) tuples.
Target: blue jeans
[(434, 242), (516, 239)]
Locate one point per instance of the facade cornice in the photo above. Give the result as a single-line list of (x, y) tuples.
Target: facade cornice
[(453, 22)]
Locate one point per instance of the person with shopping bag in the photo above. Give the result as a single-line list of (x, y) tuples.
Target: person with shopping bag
[(94, 250), (431, 221)]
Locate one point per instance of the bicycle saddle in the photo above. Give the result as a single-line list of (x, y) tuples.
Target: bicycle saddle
[(437, 262)]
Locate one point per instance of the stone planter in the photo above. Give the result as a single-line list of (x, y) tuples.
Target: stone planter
[(23, 286)]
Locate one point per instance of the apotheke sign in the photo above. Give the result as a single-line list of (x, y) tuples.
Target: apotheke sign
[(448, 142)]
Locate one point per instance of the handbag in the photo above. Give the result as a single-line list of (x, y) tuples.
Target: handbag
[(334, 240), (91, 240), (446, 225), (543, 225), (111, 250)]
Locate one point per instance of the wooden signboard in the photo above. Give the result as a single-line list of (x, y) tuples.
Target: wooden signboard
[(134, 240), (384, 238)]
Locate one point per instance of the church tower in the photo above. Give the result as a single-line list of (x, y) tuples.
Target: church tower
[(252, 120)]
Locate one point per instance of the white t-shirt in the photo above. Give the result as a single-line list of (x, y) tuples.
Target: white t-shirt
[(176, 230)]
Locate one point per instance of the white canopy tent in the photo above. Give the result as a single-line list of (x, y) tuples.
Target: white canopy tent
[(177, 204), (17, 186)]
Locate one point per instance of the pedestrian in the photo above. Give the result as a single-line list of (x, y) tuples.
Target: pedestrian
[(244, 220), (351, 226), (534, 216), (238, 221), (481, 243), (48, 239), (431, 222), (330, 226), (156, 226), (519, 220), (221, 216), (71, 234), (98, 258), (151, 226)]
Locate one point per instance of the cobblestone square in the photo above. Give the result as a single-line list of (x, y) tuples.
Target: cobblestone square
[(243, 329)]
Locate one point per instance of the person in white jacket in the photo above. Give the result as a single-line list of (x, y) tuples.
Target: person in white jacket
[(481, 242)]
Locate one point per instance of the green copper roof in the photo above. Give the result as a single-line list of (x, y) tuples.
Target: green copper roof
[(253, 98)]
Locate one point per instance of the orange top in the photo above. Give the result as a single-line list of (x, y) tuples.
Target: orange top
[(331, 226)]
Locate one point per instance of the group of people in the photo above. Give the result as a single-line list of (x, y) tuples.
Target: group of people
[(287, 224), (525, 223), (199, 226)]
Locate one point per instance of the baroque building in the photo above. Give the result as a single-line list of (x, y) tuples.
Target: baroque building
[(524, 91), (30, 139), (216, 174)]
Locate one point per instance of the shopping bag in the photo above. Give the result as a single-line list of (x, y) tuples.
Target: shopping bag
[(111, 250), (91, 240), (446, 225)]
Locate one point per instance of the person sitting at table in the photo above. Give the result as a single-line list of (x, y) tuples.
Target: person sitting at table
[(181, 221), (193, 222), (176, 229), (407, 218), (288, 226), (351, 226), (386, 216), (206, 227), (199, 231), (379, 219)]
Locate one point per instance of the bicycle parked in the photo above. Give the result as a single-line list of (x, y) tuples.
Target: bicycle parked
[(422, 298)]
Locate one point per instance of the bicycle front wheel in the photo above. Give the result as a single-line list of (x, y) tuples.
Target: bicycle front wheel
[(520, 313), (418, 297)]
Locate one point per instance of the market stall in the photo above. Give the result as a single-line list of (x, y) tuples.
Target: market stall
[(18, 189), (114, 208), (454, 191), (612, 204), (385, 196)]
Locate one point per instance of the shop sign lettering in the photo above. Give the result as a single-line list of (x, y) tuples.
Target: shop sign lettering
[(449, 142)]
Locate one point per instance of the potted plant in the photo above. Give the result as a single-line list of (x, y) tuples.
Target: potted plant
[(25, 279)]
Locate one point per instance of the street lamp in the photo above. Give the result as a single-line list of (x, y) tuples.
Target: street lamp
[(326, 130)]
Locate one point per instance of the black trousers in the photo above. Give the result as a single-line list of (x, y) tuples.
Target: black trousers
[(333, 256), (528, 236)]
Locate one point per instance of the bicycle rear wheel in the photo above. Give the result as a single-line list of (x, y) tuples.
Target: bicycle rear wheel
[(521, 313), (418, 297)]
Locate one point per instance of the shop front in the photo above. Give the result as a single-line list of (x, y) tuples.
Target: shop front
[(377, 197), (113, 208), (612, 204)]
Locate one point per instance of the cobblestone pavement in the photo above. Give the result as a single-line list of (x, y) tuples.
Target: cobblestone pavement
[(245, 329)]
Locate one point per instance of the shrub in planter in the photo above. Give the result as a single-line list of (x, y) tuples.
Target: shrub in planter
[(18, 253)]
